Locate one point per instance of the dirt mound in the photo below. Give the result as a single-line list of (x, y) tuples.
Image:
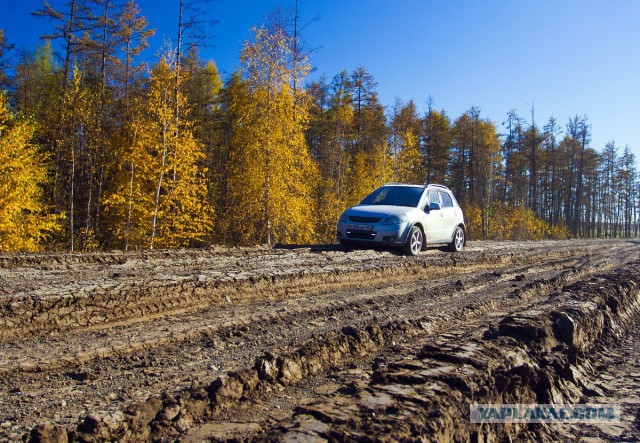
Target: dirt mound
[(539, 356)]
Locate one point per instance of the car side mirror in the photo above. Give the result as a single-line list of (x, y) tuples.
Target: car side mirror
[(433, 206)]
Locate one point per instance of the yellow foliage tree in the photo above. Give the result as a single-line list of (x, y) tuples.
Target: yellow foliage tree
[(24, 223), (406, 128), (507, 222), (160, 199), (334, 160), (272, 176), (473, 219), (410, 161), (368, 171), (329, 209)]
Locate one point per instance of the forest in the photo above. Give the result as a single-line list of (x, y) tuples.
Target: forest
[(101, 150)]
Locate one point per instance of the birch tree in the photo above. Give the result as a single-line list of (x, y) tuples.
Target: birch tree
[(272, 175), (161, 195)]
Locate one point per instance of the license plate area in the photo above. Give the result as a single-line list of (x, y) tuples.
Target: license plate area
[(360, 227)]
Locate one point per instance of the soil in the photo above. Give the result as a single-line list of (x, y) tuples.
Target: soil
[(317, 343)]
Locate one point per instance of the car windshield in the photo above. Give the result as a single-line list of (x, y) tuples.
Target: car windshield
[(395, 196)]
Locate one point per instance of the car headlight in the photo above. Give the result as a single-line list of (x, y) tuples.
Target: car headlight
[(396, 219)]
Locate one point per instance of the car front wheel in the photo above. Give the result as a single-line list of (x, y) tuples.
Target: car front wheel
[(457, 243), (413, 245)]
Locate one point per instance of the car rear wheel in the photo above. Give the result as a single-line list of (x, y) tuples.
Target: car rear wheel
[(457, 243), (413, 245)]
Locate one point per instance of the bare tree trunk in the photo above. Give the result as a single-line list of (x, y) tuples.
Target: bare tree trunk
[(103, 86), (533, 173), (267, 190), (130, 199), (176, 91), (159, 186), (87, 223), (72, 197)]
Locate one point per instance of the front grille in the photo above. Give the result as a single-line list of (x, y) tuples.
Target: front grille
[(361, 235), (360, 219)]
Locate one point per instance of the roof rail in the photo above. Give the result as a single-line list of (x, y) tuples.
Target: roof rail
[(399, 183), (435, 185)]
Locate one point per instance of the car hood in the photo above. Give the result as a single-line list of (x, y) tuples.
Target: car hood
[(381, 211)]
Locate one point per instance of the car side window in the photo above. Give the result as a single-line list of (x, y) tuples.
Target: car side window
[(433, 197), (447, 202)]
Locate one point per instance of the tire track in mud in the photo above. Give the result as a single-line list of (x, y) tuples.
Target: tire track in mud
[(393, 297), (336, 349), (108, 379), (401, 338), (58, 308)]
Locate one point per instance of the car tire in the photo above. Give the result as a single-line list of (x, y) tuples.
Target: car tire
[(457, 243), (413, 244)]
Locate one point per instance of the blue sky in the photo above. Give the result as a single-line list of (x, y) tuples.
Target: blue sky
[(565, 57)]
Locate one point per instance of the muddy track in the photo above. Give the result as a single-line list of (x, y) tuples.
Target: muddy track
[(538, 355), (38, 301), (229, 342)]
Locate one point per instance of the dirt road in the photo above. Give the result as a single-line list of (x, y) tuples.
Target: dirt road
[(312, 343)]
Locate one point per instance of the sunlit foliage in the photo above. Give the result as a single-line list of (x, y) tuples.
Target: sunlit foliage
[(160, 198), (272, 176), (25, 221)]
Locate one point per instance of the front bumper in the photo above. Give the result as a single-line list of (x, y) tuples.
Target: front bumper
[(394, 235)]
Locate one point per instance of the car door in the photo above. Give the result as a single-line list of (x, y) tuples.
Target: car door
[(449, 215), (433, 226)]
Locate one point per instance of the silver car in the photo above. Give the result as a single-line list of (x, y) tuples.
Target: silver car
[(406, 216)]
